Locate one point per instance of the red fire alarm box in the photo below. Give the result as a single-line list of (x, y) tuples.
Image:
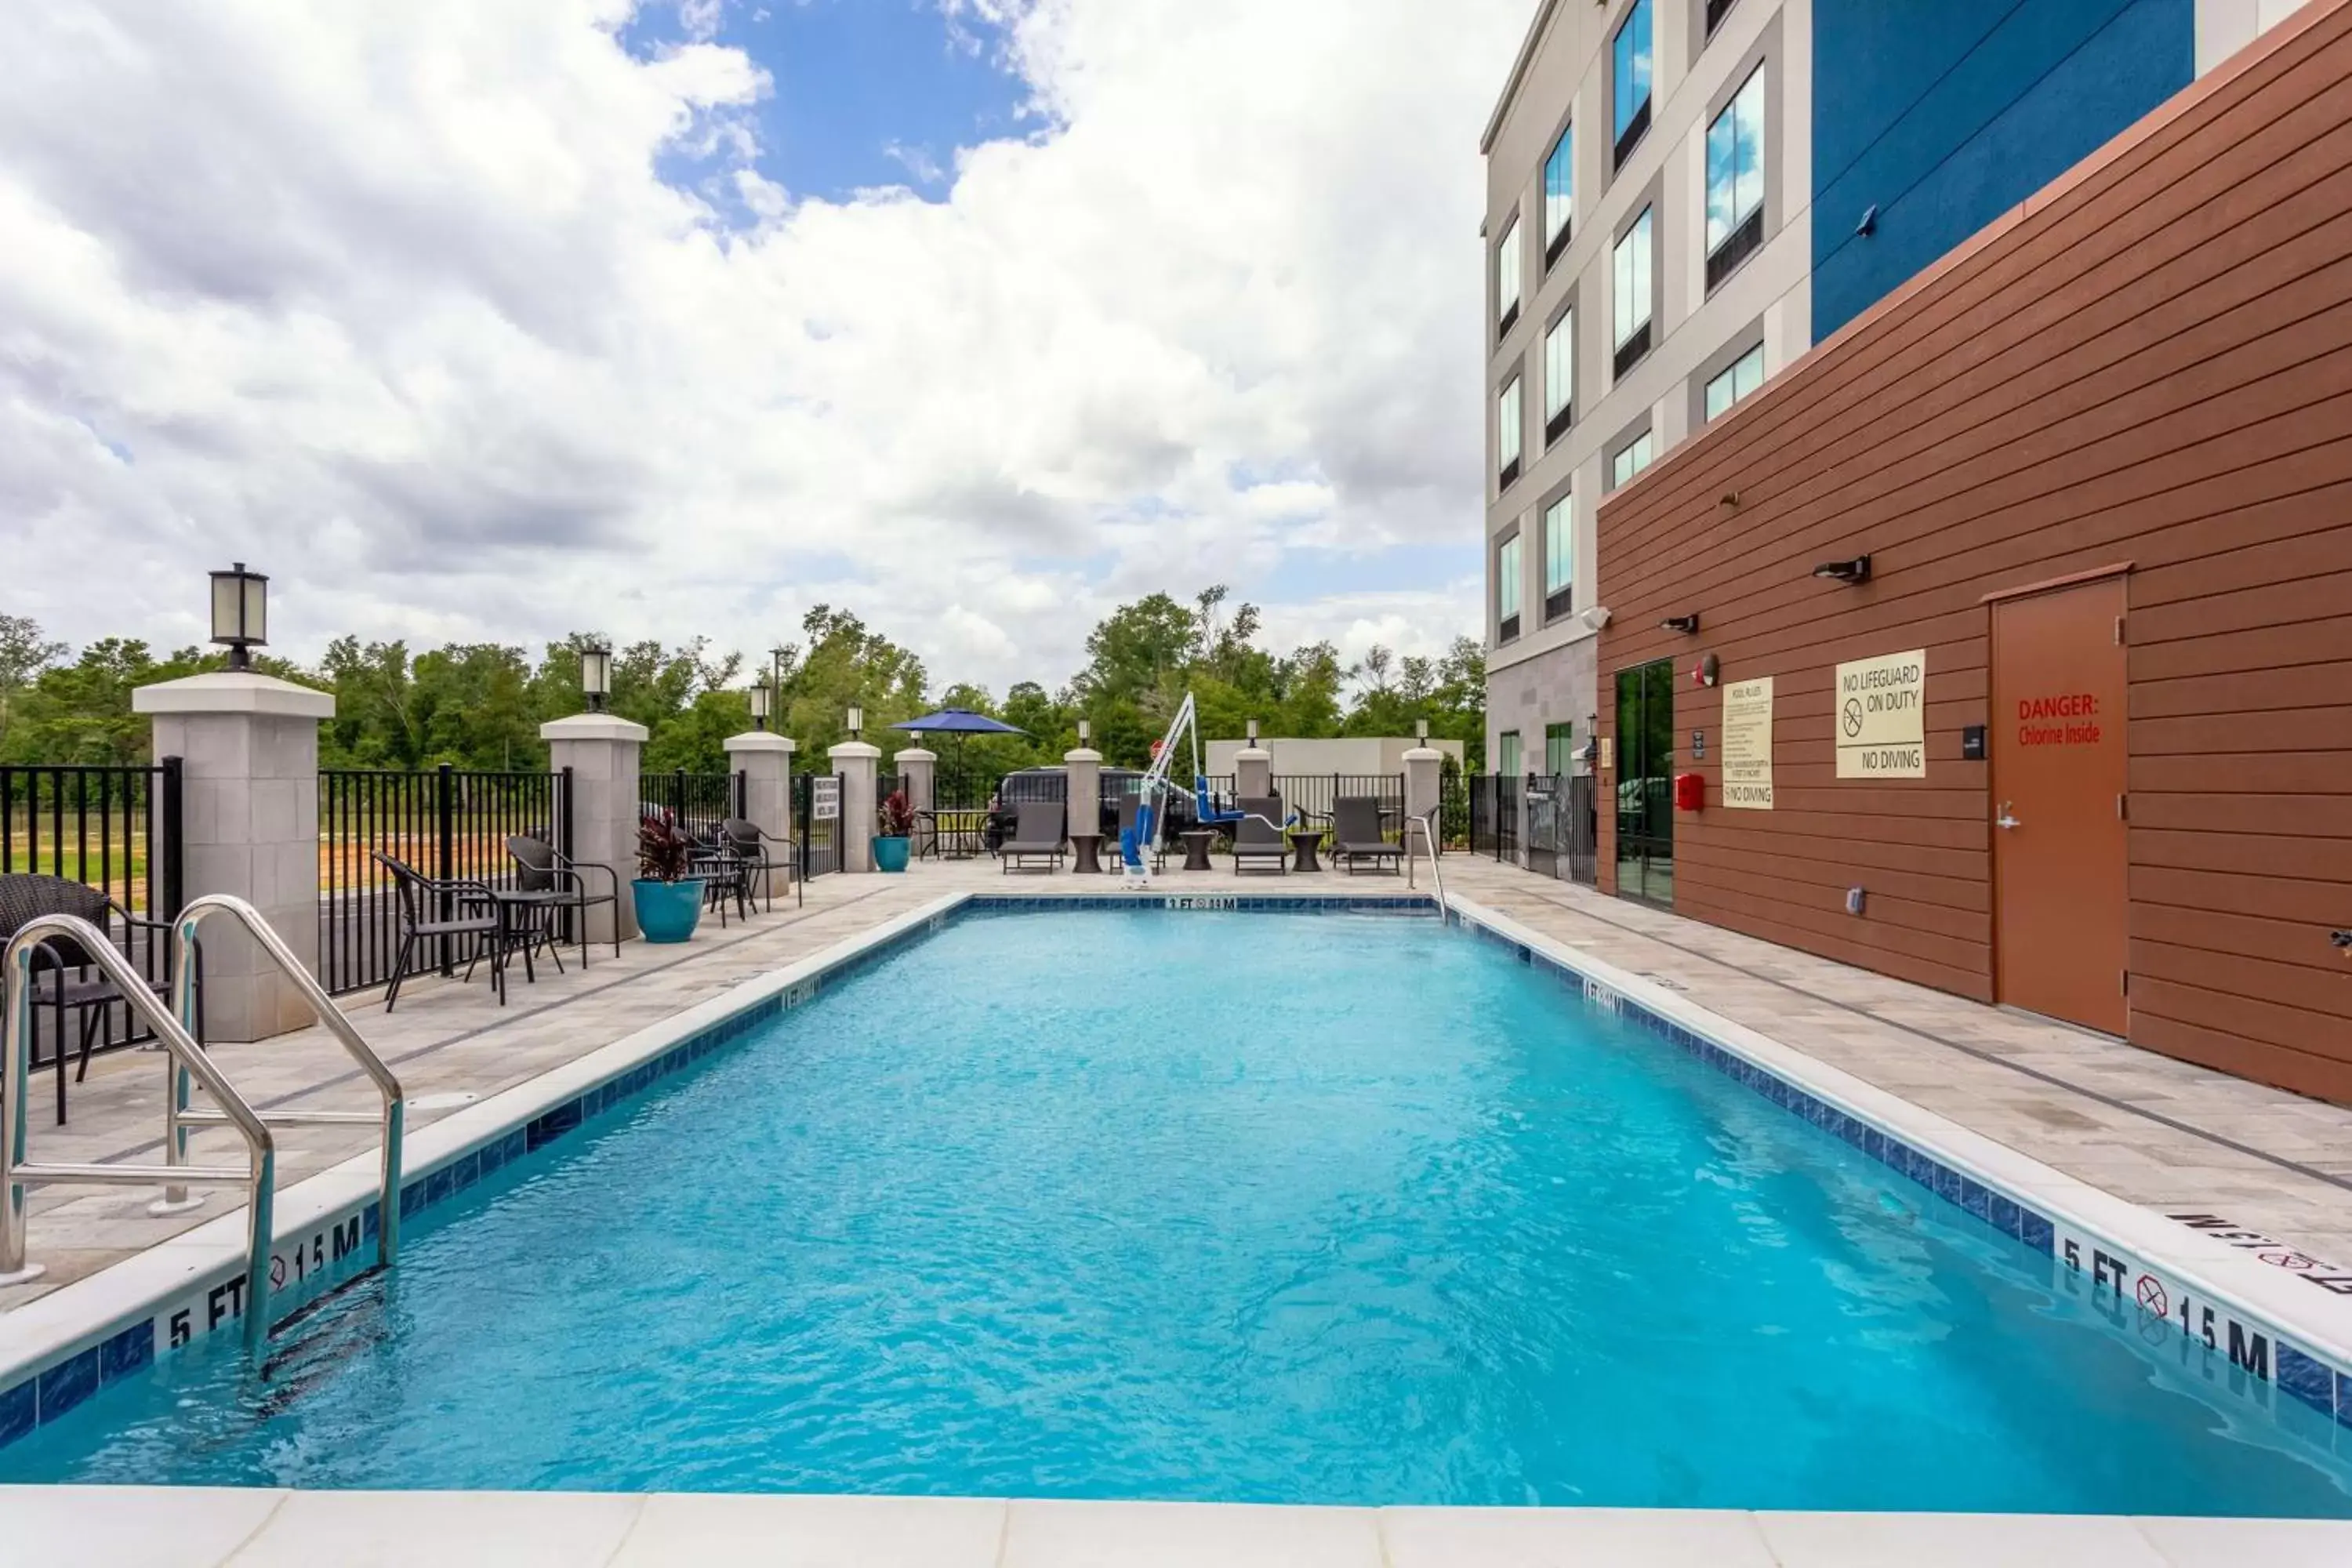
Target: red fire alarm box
[(1690, 792)]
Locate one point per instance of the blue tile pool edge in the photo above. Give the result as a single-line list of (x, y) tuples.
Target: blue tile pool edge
[(311, 1259), (308, 1260), (2252, 1345)]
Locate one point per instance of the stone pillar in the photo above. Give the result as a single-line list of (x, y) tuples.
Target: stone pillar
[(858, 763), (1253, 772), (603, 751), (1082, 798), (1424, 767), (918, 776), (765, 760), (248, 750)]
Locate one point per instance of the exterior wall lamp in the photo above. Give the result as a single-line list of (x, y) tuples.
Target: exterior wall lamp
[(240, 612), (596, 674), (1852, 574), (1686, 624)]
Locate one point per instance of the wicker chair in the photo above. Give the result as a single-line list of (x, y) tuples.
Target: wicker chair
[(62, 980), (540, 867), (750, 842)]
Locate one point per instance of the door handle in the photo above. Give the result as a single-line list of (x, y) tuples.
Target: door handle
[(2001, 817)]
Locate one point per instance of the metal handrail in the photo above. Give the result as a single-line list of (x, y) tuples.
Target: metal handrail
[(259, 1178), (1427, 824), (178, 1117)]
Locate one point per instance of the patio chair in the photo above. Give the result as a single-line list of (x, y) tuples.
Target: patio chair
[(62, 980), (1356, 834), (1036, 836), (724, 871), (540, 867), (473, 920), (750, 841), (1257, 836)]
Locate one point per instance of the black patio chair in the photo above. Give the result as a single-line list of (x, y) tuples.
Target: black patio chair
[(540, 867), (1257, 836), (724, 871), (1036, 836), (751, 841), (1356, 834), (473, 921), (63, 980)]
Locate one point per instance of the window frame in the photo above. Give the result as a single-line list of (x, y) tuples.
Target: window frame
[(1557, 517), (1509, 264), (1563, 150), (1509, 755), (1558, 419), (1510, 584), (1510, 430), (1629, 127), (1628, 345), (1560, 748), (1626, 444), (1743, 227), (1731, 373)]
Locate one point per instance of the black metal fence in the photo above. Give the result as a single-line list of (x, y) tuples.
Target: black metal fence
[(816, 822), (700, 801), (1313, 796), (116, 829), (451, 822), (1562, 826), (1495, 802)]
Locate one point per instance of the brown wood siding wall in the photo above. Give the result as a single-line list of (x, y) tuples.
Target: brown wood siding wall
[(2151, 363)]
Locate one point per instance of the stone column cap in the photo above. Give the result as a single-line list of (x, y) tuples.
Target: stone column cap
[(915, 754), (854, 748), (1424, 754), (1083, 754), (233, 691), (594, 726), (1253, 754), (761, 741)]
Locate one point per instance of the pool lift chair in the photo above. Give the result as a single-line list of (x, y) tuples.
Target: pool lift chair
[(185, 1060), (1155, 789)]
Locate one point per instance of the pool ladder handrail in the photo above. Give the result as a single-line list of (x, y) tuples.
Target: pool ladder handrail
[(178, 1116), (1426, 823), (260, 1177)]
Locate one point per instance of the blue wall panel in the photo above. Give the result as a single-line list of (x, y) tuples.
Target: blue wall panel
[(1945, 113)]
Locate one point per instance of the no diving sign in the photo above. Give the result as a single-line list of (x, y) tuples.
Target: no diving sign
[(1881, 716)]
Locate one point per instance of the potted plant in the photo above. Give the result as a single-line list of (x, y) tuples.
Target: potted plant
[(894, 824), (668, 901)]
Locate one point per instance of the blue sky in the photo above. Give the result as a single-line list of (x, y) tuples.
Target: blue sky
[(856, 80)]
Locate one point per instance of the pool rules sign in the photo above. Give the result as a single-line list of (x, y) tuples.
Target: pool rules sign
[(1747, 743), (1881, 718)]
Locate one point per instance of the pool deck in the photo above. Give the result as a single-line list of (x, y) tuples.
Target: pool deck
[(2162, 1135), (78, 1526)]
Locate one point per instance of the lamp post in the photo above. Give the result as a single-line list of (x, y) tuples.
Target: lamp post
[(759, 706), (1420, 731), (1253, 734), (596, 674), (240, 612), (856, 720), (1086, 731)]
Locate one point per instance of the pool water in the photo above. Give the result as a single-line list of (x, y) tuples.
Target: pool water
[(1293, 1208)]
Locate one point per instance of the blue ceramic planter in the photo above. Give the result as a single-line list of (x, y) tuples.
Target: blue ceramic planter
[(667, 911), (890, 854)]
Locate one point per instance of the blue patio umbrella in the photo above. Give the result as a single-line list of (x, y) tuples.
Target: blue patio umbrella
[(959, 721)]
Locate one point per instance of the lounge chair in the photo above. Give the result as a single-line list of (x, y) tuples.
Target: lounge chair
[(540, 867), (1356, 834), (1036, 836), (1257, 836)]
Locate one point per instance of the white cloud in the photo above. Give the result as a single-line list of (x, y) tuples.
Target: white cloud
[(392, 302)]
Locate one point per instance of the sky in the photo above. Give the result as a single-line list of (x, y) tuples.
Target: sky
[(489, 323)]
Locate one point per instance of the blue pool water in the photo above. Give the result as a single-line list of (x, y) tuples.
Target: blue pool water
[(1288, 1208)]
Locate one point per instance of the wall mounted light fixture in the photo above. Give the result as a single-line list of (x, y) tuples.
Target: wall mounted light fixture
[(1686, 624), (1852, 574)]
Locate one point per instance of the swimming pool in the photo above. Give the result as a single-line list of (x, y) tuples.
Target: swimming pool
[(1306, 1208)]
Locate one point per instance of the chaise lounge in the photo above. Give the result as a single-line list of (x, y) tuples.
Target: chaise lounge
[(1257, 836), (1356, 834), (1036, 836)]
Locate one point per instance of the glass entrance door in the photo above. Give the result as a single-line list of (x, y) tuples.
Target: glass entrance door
[(1645, 781)]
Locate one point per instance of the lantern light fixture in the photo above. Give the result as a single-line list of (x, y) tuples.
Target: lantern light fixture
[(240, 612), (856, 720), (596, 674), (759, 705)]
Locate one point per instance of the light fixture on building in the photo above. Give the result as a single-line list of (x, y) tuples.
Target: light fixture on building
[(1728, 499), (1869, 224), (240, 612), (1253, 734), (1421, 729), (1085, 731), (1686, 624), (759, 705), (1852, 574), (1595, 618), (596, 674), (856, 720)]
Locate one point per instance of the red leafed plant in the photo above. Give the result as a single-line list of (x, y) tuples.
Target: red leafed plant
[(663, 848), (895, 818)]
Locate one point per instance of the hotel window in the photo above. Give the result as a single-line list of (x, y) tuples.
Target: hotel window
[(1560, 558), (1629, 78), (1507, 745), (1560, 376), (1734, 180), (1741, 377), (1560, 196), (1507, 279), (1630, 459), (1507, 420), (1715, 11), (1560, 750), (1507, 589), (1629, 295)]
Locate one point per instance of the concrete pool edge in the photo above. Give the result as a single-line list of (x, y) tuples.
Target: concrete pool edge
[(229, 1527), (2120, 1245)]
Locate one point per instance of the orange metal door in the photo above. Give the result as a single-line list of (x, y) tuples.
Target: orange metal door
[(2059, 772)]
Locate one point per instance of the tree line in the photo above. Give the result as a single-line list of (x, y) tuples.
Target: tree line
[(479, 705)]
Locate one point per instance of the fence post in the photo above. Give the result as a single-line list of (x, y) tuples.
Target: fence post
[(445, 847), (247, 745), (1082, 792), (599, 752), (1253, 773), (763, 783), (918, 776), (168, 882), (858, 762)]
